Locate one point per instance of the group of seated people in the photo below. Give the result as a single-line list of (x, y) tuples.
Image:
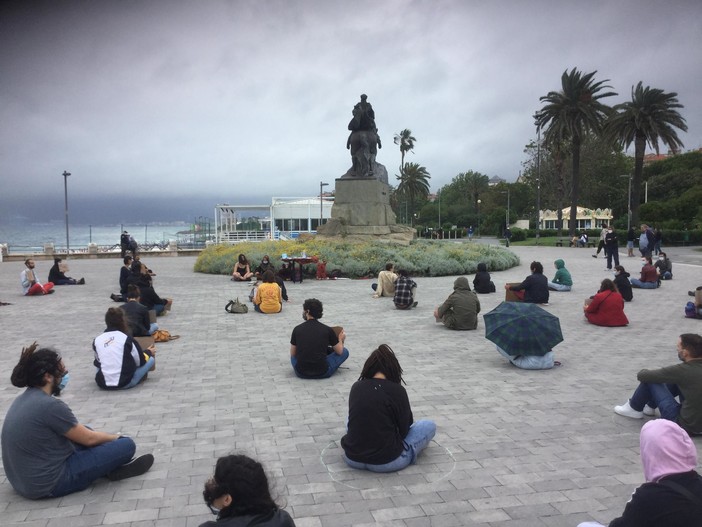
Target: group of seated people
[(136, 273)]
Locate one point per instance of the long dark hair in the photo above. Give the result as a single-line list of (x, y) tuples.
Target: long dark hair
[(33, 364), (608, 285), (242, 260), (245, 481), (382, 360)]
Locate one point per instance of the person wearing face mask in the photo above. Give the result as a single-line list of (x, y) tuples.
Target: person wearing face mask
[(611, 247), (664, 267), (649, 275), (264, 266), (658, 389), (238, 494), (316, 351), (621, 280), (46, 452), (672, 494)]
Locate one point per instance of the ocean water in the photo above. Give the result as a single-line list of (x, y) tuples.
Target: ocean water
[(31, 237)]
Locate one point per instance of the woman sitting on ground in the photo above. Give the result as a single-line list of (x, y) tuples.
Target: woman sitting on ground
[(606, 308), (649, 275), (242, 270), (120, 361), (58, 277), (148, 296), (562, 281), (621, 280), (239, 495), (664, 267), (268, 297), (381, 434)]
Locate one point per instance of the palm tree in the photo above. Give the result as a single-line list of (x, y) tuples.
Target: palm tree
[(650, 116), (414, 184), (406, 142), (570, 113), (476, 184)]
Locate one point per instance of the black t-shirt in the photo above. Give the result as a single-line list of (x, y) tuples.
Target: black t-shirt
[(312, 339), (379, 420)]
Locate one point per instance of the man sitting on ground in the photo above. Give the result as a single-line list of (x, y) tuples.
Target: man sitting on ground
[(138, 319), (316, 351), (30, 285), (46, 452), (461, 308), (659, 388)]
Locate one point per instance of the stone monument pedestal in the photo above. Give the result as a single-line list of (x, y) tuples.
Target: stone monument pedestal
[(362, 211)]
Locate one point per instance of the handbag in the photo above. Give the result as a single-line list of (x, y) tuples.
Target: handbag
[(161, 335), (234, 306)]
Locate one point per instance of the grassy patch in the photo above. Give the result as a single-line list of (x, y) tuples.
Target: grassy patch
[(421, 258)]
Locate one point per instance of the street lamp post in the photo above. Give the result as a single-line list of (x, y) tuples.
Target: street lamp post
[(439, 197), (65, 197), (507, 211), (538, 180), (477, 229), (321, 203)]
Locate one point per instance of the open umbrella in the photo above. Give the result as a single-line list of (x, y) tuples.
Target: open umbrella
[(521, 328)]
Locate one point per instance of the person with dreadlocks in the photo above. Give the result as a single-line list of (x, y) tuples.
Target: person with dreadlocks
[(239, 496), (381, 434), (46, 452)]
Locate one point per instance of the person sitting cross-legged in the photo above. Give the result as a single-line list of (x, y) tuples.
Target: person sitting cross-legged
[(138, 319), (659, 388), (386, 282), (606, 308), (562, 281), (120, 361), (57, 275), (405, 289), (460, 310), (649, 275), (31, 286), (316, 351), (381, 433), (46, 452), (268, 297)]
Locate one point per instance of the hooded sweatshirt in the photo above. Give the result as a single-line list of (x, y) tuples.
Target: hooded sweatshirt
[(482, 283), (562, 276), (621, 280), (667, 455), (461, 308)]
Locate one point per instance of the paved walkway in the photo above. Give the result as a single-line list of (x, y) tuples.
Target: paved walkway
[(513, 448)]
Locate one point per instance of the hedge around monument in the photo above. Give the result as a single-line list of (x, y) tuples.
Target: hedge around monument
[(362, 259)]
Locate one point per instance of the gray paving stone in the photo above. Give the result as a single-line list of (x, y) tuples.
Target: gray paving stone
[(522, 448)]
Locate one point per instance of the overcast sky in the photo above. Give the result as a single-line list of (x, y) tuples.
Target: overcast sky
[(244, 100)]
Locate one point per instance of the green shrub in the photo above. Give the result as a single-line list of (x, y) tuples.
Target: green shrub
[(420, 258)]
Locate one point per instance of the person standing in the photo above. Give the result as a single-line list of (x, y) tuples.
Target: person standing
[(46, 452), (657, 240), (381, 433), (646, 241), (31, 286), (461, 308), (601, 243), (658, 389), (611, 247), (316, 351), (630, 237)]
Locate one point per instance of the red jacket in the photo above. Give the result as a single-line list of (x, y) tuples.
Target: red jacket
[(607, 309)]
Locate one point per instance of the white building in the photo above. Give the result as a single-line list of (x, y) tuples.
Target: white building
[(585, 218)]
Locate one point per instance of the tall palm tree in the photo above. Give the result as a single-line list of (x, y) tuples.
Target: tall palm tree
[(406, 142), (570, 113), (414, 184), (650, 116)]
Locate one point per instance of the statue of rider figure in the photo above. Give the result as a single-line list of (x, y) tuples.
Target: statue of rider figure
[(363, 140), (366, 113)]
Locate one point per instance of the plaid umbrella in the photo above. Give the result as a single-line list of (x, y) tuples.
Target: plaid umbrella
[(521, 328)]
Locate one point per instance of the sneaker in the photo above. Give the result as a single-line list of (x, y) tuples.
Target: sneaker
[(627, 411), (81, 281), (690, 293), (415, 304), (649, 411), (594, 256), (136, 467)]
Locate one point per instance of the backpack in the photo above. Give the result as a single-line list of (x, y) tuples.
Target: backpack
[(691, 310), (234, 306)]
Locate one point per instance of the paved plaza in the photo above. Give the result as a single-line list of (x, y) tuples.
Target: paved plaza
[(513, 447)]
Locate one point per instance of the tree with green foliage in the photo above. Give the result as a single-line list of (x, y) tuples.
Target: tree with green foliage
[(571, 112), (414, 185), (406, 142), (651, 116)]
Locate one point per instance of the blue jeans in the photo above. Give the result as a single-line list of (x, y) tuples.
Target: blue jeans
[(529, 362), (140, 373), (333, 363), (88, 464), (159, 308), (635, 282), (153, 327), (661, 396), (667, 276), (612, 253), (418, 437), (559, 287)]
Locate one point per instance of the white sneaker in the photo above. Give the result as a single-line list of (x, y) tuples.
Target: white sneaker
[(651, 412), (627, 411)]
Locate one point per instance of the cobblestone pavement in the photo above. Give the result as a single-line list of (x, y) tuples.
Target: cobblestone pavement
[(513, 447)]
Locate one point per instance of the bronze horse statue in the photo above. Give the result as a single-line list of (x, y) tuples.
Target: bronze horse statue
[(363, 142)]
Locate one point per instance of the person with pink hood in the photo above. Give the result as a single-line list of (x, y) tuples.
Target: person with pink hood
[(672, 494)]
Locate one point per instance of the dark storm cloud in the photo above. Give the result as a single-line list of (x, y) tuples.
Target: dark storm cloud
[(231, 99)]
